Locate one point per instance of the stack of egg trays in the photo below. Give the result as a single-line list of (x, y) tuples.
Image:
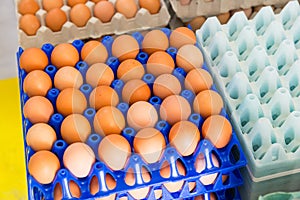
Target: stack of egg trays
[(231, 158), (281, 196), (94, 28), (255, 64)]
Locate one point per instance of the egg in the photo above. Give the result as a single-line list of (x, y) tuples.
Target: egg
[(128, 8), (43, 166), (141, 114), (50, 4), (55, 19), (212, 196), (28, 7), (104, 11), (155, 40), (149, 143), (130, 179), (175, 108), (72, 3), (198, 80), (30, 24), (159, 63), (40, 136), (223, 17), (130, 69), (99, 74), (114, 151), (96, 1), (165, 172), (182, 36), (110, 184), (80, 14), (189, 57), (196, 22), (33, 59), (153, 6), (218, 130), (103, 95), (71, 100), (75, 128), (184, 2), (64, 54), (135, 90), (79, 158), (208, 102), (37, 83), (125, 47), (68, 77), (38, 109), (94, 52), (109, 120), (166, 85), (74, 190), (200, 165)]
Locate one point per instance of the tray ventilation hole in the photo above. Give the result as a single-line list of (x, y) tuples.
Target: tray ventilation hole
[(289, 136), (256, 142)]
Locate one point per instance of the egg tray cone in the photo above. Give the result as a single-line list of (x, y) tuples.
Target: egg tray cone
[(281, 195), (255, 64)]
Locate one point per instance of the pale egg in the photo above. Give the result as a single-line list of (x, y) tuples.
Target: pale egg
[(94, 52), (155, 40), (189, 57), (200, 165), (125, 47), (182, 36), (99, 74), (68, 77), (166, 85)]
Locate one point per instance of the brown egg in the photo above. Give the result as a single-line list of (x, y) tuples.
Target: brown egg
[(175, 108), (74, 189), (43, 166), (135, 90), (218, 130), (41, 136), (208, 102), (130, 69), (212, 196), (166, 85), (198, 80), (104, 11), (71, 100), (189, 57), (110, 183), (28, 7), (165, 171), (32, 59), (130, 179), (99, 74), (75, 128), (125, 47), (186, 2), (153, 6), (109, 120), (159, 63), (200, 165), (72, 3), (248, 12), (128, 8), (103, 95), (64, 54), (50, 4), (94, 52), (114, 151), (55, 19), (181, 36), (96, 1), (149, 143), (68, 77), (37, 83), (38, 109), (78, 159), (30, 24), (184, 136), (223, 17), (80, 14), (155, 40), (196, 23)]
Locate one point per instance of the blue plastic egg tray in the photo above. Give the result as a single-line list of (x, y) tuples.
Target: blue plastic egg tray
[(231, 158)]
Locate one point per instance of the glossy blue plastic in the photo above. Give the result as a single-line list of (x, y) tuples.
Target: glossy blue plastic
[(51, 71), (82, 67)]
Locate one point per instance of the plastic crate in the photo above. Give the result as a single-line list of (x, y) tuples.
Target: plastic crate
[(255, 66)]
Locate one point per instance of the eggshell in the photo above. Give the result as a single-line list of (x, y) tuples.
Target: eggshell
[(74, 189), (96, 1), (198, 80), (135, 90), (153, 6), (175, 108), (189, 57), (110, 184), (114, 151), (75, 128), (37, 83), (71, 100), (40, 136), (109, 120), (130, 69), (125, 47), (50, 4), (80, 14), (172, 186), (104, 11), (64, 54), (184, 136), (68, 77), (149, 143), (128, 8), (55, 19), (196, 23), (30, 24), (72, 3), (28, 7), (185, 2), (43, 166), (155, 40), (200, 165), (212, 196), (79, 158), (218, 130), (38, 109), (99, 74), (160, 63), (33, 59), (182, 36), (166, 85), (103, 95), (208, 102), (94, 52), (223, 17)]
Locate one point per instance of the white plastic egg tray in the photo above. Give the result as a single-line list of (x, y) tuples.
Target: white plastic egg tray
[(256, 66), (94, 28)]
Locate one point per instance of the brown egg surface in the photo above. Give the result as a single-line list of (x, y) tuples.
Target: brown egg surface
[(37, 83), (155, 40), (159, 63), (55, 19), (181, 36), (128, 8), (166, 85), (99, 74), (103, 95), (135, 90), (130, 69), (72, 3), (189, 57), (74, 190), (68, 77), (94, 52), (28, 7), (198, 80), (64, 54), (153, 6), (80, 14), (125, 47), (30, 24), (50, 4), (33, 59), (104, 11)]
